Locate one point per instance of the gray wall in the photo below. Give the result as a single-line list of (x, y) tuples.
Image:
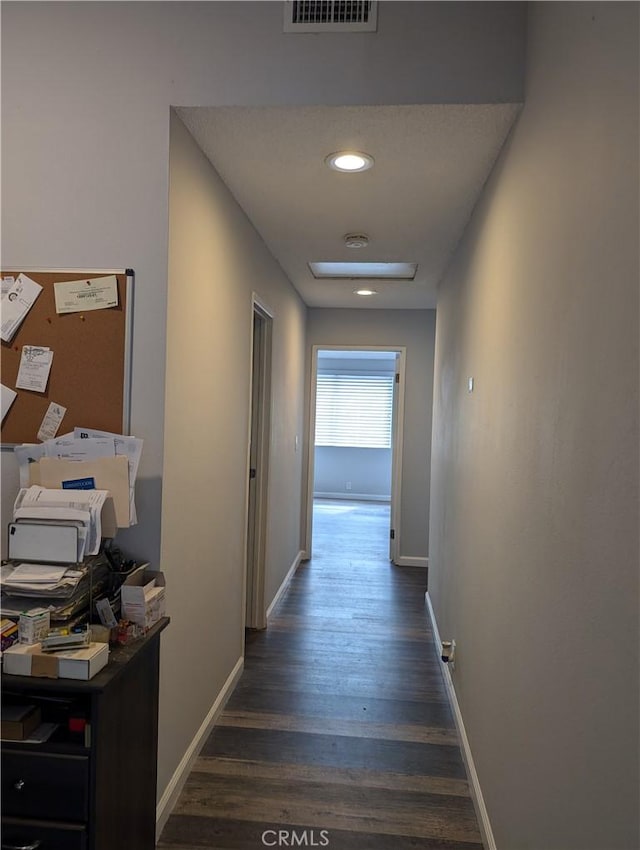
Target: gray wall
[(415, 330), (534, 527), (349, 472), (216, 260)]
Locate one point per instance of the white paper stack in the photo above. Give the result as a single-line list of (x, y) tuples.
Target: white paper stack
[(39, 579), (48, 464), (81, 507)]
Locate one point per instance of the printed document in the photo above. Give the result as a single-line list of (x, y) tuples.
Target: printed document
[(38, 580), (16, 304), (37, 573), (52, 421), (78, 296), (8, 397), (68, 448), (131, 448), (35, 365)]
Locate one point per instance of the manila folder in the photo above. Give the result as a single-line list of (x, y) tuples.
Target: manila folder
[(109, 473)]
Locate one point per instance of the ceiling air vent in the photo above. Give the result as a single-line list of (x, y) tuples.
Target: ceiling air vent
[(330, 15)]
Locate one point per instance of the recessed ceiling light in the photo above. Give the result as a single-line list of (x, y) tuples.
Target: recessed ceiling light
[(349, 161), (365, 292), (369, 271)]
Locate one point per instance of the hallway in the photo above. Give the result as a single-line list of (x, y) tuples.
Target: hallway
[(340, 724)]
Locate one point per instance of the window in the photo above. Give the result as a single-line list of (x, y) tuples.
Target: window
[(354, 410)]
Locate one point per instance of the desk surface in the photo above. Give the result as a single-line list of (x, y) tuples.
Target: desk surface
[(119, 657)]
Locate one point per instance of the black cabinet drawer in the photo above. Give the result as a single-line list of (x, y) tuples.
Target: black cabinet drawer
[(36, 835), (45, 786)]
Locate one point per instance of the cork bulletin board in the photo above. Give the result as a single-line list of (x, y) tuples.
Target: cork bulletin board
[(90, 371)]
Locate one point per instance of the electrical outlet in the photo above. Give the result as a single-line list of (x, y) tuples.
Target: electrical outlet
[(448, 653), (348, 485)]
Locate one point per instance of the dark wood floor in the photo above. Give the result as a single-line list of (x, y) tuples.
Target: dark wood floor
[(340, 724)]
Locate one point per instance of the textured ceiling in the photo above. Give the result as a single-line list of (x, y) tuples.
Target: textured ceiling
[(431, 163)]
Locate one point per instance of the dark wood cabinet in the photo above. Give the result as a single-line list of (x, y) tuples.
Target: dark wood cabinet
[(95, 790)]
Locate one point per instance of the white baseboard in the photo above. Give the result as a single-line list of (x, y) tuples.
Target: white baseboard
[(474, 783), (173, 789), (296, 563), (352, 497), (411, 561)]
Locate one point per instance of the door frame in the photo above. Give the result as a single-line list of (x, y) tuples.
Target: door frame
[(253, 607), (396, 450), (396, 454)]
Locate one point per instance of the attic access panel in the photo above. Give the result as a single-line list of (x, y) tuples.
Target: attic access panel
[(330, 15)]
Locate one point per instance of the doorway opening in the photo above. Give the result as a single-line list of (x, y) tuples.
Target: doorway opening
[(356, 439), (258, 466)]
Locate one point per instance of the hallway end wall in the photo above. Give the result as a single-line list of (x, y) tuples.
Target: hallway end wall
[(534, 527), (415, 330)]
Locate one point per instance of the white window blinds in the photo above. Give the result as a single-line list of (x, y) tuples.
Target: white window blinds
[(354, 410)]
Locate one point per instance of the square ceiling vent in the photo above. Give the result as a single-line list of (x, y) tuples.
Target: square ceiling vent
[(330, 15)]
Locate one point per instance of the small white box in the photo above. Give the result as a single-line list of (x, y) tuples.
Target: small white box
[(33, 625), (83, 663), (143, 598), (29, 660)]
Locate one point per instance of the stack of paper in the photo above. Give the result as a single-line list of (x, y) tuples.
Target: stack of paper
[(80, 507), (39, 580), (102, 460), (68, 599), (129, 447)]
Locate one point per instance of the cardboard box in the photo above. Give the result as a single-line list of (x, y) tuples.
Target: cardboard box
[(29, 660), (33, 625), (83, 663), (142, 598), (19, 721)]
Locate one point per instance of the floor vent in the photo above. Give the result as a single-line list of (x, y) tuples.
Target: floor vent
[(330, 15)]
